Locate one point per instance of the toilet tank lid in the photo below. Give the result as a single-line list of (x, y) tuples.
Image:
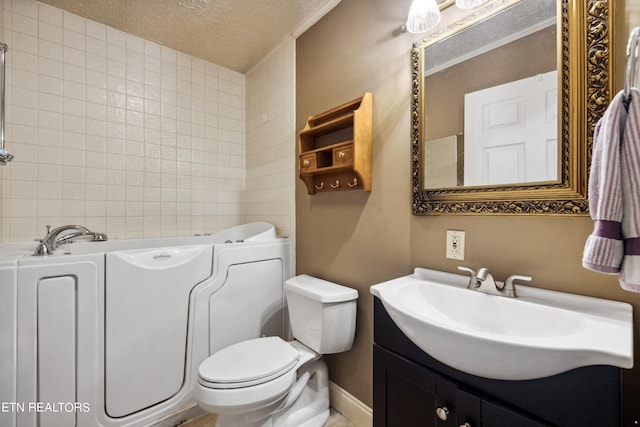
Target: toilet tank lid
[(319, 289)]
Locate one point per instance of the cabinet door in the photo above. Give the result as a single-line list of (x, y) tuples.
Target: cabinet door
[(404, 392), (499, 416), (468, 408), (446, 403)]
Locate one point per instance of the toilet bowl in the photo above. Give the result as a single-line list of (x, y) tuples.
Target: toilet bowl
[(269, 382)]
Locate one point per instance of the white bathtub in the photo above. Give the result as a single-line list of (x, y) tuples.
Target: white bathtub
[(112, 333)]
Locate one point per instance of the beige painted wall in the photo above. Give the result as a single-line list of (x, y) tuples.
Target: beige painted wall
[(359, 239)]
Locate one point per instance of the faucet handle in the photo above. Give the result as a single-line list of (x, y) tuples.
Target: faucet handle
[(483, 273), (469, 270), (509, 285), (523, 277), (472, 279), (42, 249)]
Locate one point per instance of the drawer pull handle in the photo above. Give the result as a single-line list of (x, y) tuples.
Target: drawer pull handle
[(442, 413), (336, 185), (341, 154), (321, 186), (354, 183), (306, 162)]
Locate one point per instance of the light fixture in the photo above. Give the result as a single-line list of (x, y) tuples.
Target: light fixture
[(469, 4), (423, 16)]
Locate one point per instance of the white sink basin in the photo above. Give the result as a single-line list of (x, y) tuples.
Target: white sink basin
[(538, 334)]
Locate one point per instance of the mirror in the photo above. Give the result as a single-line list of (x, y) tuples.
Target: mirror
[(490, 100), (456, 153)]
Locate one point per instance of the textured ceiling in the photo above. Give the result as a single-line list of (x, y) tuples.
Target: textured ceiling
[(236, 34)]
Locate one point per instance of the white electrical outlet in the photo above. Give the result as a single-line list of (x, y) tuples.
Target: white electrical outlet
[(455, 244)]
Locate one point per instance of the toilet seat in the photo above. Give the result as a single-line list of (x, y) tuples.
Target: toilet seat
[(248, 363)]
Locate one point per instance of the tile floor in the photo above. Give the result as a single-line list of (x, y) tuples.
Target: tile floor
[(335, 420)]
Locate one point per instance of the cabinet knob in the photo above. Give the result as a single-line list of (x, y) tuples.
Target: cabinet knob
[(306, 162), (341, 154), (442, 413)]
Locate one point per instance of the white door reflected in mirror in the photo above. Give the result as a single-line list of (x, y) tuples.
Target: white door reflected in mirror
[(510, 132)]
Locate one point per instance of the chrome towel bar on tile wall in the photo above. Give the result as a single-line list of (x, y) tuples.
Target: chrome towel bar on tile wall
[(5, 157), (633, 62)]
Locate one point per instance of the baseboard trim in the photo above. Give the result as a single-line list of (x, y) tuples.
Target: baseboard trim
[(351, 408)]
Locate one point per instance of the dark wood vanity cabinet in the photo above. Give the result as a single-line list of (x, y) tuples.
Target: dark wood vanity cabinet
[(406, 394), (413, 389)]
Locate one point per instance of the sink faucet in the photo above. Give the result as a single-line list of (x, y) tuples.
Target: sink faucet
[(64, 234), (483, 281)]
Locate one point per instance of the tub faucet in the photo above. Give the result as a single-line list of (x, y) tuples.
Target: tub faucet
[(483, 281), (64, 234)]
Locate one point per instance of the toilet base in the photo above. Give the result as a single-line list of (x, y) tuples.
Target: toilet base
[(310, 409)]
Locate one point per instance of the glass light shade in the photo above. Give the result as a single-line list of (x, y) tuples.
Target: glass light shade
[(423, 16), (469, 4)]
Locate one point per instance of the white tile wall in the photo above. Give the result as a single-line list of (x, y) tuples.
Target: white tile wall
[(271, 139), (441, 162), (135, 139)]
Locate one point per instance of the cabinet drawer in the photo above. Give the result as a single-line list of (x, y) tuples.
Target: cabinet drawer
[(343, 155), (308, 163)]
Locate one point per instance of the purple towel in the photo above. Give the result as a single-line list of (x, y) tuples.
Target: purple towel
[(614, 194), (630, 177)]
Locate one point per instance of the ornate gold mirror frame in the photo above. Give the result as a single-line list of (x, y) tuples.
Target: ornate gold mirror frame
[(585, 47)]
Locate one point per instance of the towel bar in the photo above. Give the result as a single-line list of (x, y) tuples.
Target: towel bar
[(633, 61)]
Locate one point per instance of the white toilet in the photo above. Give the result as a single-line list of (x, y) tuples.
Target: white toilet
[(268, 382)]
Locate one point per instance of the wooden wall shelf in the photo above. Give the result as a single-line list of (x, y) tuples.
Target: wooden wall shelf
[(335, 148)]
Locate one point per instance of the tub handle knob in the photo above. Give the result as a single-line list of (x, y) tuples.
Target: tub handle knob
[(42, 249)]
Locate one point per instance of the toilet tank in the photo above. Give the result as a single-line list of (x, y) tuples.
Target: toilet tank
[(322, 314)]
